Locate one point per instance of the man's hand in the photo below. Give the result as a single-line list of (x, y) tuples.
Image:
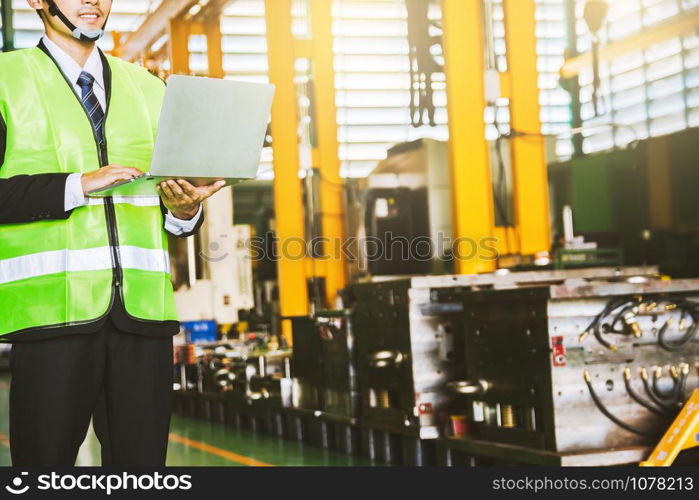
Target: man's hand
[(106, 176), (182, 199)]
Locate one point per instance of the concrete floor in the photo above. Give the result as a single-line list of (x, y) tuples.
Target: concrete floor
[(194, 442)]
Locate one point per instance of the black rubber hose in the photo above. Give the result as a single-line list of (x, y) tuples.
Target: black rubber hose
[(653, 397), (682, 386), (612, 417), (620, 317), (688, 307), (683, 342), (595, 324), (599, 338), (661, 412), (668, 397)]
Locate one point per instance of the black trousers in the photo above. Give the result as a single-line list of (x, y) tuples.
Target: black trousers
[(123, 381)]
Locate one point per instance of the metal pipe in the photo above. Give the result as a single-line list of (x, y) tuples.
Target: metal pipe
[(573, 84), (8, 32), (568, 230), (489, 35), (262, 363)]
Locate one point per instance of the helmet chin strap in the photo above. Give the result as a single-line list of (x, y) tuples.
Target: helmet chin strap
[(80, 34)]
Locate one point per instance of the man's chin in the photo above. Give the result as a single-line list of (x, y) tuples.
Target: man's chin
[(91, 27)]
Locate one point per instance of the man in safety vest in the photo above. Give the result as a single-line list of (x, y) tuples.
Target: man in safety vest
[(85, 291)]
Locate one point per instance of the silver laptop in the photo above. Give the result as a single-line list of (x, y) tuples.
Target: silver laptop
[(210, 129)]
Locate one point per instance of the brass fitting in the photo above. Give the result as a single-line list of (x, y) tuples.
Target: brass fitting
[(627, 373), (630, 320), (583, 336), (508, 416), (586, 376)]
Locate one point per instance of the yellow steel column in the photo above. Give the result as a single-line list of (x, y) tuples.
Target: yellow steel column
[(179, 46), (528, 151), (331, 191), (117, 39), (472, 189), (214, 52), (288, 198)]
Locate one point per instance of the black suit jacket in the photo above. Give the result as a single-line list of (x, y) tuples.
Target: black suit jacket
[(29, 198)]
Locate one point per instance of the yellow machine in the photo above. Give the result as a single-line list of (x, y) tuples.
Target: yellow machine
[(682, 435)]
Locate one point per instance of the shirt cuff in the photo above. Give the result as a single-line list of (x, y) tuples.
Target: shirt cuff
[(74, 196), (176, 226)]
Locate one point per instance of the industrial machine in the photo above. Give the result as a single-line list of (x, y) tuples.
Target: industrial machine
[(436, 346), (244, 381), (324, 364), (517, 358), (588, 369), (325, 379), (404, 359), (405, 206), (268, 390)]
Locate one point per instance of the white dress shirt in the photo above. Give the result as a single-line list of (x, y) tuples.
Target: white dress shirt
[(74, 196)]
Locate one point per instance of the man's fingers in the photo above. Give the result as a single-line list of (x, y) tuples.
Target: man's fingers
[(167, 191), (134, 171), (130, 171), (114, 178), (214, 188), (177, 191), (116, 175), (191, 191)]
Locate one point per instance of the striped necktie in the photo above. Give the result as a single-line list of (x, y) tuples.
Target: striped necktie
[(92, 105)]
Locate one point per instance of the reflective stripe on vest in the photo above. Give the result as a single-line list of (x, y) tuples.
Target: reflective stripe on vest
[(92, 259), (55, 273), (137, 201)]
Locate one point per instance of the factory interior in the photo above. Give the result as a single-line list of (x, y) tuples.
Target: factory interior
[(472, 239)]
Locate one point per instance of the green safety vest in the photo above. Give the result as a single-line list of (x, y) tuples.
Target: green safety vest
[(58, 273)]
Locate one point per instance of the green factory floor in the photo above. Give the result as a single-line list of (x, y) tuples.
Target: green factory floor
[(194, 442)]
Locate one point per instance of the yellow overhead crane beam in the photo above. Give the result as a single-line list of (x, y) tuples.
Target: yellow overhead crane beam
[(680, 25), (283, 51), (178, 19), (138, 43)]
